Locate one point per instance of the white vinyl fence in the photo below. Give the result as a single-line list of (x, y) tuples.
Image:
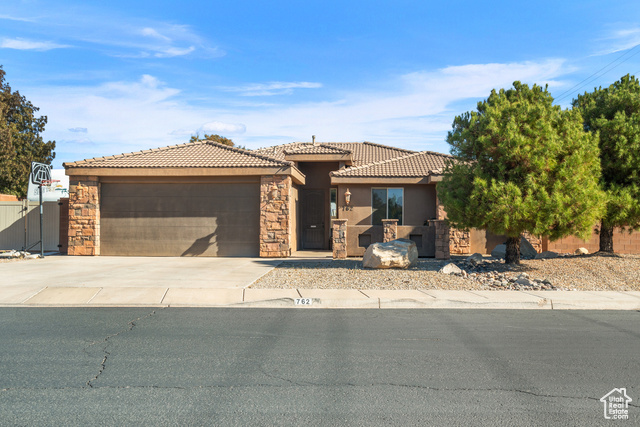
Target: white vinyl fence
[(20, 225)]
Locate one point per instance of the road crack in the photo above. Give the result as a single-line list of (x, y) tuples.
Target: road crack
[(105, 342)]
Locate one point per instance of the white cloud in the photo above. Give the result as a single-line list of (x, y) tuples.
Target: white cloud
[(414, 111), (23, 44), (619, 40), (15, 18), (150, 32), (78, 130), (115, 34), (222, 128), (173, 51), (272, 88)]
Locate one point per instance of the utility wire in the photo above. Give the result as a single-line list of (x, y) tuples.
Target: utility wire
[(592, 78)]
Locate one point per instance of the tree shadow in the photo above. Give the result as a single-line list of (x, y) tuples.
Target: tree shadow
[(200, 246)]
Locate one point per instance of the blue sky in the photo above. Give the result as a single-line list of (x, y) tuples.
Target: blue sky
[(119, 76)]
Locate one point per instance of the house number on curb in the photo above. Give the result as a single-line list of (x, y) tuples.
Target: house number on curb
[(303, 301)]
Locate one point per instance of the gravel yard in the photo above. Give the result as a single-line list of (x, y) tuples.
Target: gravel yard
[(586, 272)]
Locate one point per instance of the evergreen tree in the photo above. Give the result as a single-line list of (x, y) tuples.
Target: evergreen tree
[(523, 164), (20, 140), (613, 114)]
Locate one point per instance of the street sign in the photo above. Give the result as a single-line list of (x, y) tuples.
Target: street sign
[(40, 172)]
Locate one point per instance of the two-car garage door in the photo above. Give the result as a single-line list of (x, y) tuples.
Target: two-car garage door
[(186, 219)]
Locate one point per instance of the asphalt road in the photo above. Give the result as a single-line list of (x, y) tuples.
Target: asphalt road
[(217, 366)]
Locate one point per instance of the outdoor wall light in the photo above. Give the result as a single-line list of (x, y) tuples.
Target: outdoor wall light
[(347, 197), (273, 191)]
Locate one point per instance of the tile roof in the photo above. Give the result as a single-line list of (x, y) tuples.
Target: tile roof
[(420, 164), (362, 152), (200, 154), (315, 149)]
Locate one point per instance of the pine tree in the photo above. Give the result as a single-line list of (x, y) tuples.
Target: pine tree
[(613, 115), (523, 165)]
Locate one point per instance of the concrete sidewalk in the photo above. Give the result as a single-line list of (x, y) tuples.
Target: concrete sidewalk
[(38, 296), (225, 282)]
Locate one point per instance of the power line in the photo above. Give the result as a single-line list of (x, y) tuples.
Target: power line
[(592, 78)]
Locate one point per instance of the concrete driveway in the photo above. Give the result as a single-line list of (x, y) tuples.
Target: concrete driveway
[(138, 272)]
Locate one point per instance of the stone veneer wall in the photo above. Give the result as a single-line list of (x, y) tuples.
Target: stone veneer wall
[(275, 217), (339, 238), (84, 215), (389, 230), (459, 241)]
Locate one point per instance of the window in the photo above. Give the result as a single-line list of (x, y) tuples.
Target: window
[(333, 202), (386, 203)]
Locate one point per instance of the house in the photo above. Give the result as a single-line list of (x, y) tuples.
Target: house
[(208, 199)]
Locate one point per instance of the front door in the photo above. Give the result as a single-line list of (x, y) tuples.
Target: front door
[(313, 207)]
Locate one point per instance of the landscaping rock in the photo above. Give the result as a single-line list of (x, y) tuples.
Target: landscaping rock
[(399, 253), (474, 259), (450, 268), (547, 255), (499, 251), (581, 251), (524, 281), (526, 250)]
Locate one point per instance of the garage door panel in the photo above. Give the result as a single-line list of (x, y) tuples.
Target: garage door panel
[(124, 206), (200, 220)]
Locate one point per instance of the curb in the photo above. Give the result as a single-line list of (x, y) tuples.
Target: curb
[(319, 298)]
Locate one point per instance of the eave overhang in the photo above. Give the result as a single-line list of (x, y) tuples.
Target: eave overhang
[(297, 176), (346, 158), (431, 179)]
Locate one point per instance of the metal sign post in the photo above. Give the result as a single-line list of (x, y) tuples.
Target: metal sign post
[(41, 241), (40, 174)]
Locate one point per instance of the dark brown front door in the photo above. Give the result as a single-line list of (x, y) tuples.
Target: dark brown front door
[(313, 207)]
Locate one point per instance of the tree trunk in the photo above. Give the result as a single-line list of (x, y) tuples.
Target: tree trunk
[(513, 251), (606, 238)]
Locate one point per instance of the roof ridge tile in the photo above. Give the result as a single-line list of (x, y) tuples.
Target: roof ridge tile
[(379, 162)]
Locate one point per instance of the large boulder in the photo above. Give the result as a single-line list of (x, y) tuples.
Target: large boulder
[(399, 253), (499, 251), (526, 250)]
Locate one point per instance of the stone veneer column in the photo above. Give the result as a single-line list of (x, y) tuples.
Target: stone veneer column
[(339, 234), (389, 230), (84, 215), (536, 241), (442, 238), (275, 216), (440, 212), (459, 241)]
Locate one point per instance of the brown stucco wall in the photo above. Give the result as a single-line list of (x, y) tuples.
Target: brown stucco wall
[(419, 203), (419, 206), (294, 207)]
